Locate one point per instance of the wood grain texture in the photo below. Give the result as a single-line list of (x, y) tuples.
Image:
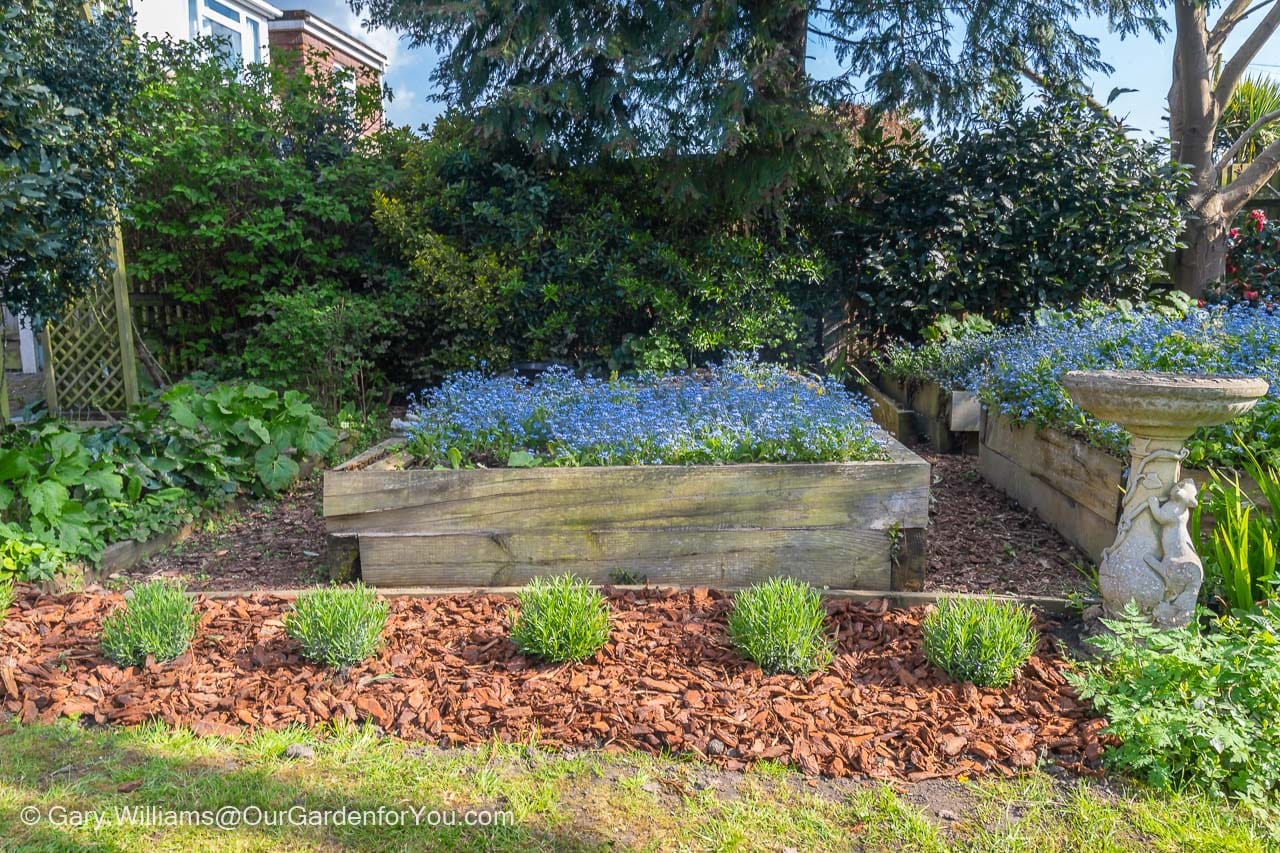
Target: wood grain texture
[(720, 558), (1033, 471), (721, 525), (872, 495), (1083, 474)]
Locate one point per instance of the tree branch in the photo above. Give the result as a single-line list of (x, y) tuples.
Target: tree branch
[(1231, 17), (1230, 153), (1254, 177), (1092, 102), (1236, 65)]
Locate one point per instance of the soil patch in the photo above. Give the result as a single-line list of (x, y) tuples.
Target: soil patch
[(668, 680), (267, 544)]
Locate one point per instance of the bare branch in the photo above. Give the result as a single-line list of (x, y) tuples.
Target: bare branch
[(1092, 102), (1236, 65), (1231, 18), (1254, 177), (1230, 153)]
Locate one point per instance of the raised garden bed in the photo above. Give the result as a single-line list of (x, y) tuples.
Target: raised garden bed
[(947, 419), (668, 680), (1073, 486), (847, 525)]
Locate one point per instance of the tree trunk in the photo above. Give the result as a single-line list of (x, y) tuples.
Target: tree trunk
[(1203, 260)]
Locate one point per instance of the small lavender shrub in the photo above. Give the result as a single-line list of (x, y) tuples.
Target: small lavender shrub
[(337, 626), (741, 411), (6, 598), (158, 620), (779, 625), (979, 639), (560, 619)]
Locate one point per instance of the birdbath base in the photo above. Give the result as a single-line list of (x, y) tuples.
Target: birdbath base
[(1152, 562)]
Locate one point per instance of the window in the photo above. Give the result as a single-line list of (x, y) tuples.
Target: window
[(232, 27)]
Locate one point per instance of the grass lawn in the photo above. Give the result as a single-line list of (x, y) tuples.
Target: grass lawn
[(554, 801)]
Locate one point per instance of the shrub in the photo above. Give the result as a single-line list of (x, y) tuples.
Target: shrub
[(248, 182), (338, 626), (977, 639), (743, 411), (779, 625), (560, 619), (1044, 206), (159, 620), (1191, 708), (6, 598)]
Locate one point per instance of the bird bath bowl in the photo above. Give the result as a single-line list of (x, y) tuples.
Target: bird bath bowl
[(1152, 562)]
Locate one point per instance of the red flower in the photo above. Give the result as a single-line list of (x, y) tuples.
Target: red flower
[(1250, 294), (1235, 232), (1259, 217)]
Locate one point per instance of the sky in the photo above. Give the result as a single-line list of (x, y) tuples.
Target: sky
[(1141, 64)]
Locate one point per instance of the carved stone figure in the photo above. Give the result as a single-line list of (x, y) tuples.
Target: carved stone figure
[(1178, 566)]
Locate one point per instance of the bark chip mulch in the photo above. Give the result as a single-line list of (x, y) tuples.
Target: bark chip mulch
[(980, 540), (667, 680)]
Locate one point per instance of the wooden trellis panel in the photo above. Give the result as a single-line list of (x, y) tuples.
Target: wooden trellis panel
[(91, 366)]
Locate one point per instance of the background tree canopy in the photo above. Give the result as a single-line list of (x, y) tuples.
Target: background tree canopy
[(64, 84), (588, 78)]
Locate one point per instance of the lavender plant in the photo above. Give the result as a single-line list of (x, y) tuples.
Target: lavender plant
[(744, 410)]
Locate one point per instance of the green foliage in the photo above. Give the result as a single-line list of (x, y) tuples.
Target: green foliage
[(509, 260), (597, 80), (77, 492), (323, 340), (1047, 206), (6, 598), (337, 626), (978, 639), (779, 625), (66, 86), (158, 621), (1240, 557), (250, 183), (22, 559), (560, 619), (1192, 709)]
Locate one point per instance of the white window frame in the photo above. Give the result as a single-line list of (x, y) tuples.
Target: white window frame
[(249, 26)]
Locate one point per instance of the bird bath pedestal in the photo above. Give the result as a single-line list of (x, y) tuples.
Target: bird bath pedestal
[(1152, 562)]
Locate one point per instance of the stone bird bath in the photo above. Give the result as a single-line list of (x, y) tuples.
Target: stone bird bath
[(1152, 562)]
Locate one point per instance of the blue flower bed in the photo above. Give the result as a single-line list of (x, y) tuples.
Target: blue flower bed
[(1021, 380), (741, 411)]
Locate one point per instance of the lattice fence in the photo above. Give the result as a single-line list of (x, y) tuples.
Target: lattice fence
[(91, 367)]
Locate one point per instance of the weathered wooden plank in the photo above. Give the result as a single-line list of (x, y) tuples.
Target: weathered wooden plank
[(966, 411), (378, 451), (873, 495), (910, 560), (721, 558), (892, 417), (1083, 474), (1076, 522)]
